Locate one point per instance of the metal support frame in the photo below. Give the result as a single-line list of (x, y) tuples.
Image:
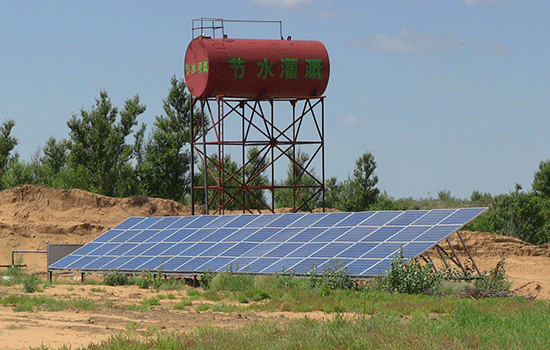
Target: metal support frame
[(277, 137), (451, 255)]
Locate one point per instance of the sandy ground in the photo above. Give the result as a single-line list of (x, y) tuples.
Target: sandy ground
[(30, 216)]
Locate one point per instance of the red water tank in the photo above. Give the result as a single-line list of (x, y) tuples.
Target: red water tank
[(256, 68)]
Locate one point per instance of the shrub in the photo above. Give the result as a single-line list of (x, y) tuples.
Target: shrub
[(496, 284), (30, 283), (411, 277), (115, 278)]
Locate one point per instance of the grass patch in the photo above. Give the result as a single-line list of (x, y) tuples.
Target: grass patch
[(182, 305), (151, 301), (468, 327), (132, 326), (202, 307)]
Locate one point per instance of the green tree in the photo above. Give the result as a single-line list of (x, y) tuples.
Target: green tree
[(220, 173), (302, 190), (56, 155), (164, 164), (98, 148), (18, 173), (541, 181), (7, 144), (255, 178), (359, 192), (517, 214)]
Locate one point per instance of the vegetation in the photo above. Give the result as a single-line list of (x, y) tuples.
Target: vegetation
[(410, 308)]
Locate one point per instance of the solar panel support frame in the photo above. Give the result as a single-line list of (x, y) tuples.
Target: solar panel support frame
[(453, 257)]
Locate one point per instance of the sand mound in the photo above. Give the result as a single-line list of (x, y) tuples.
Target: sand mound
[(32, 215)]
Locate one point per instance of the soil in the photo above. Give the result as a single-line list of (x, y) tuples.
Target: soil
[(31, 216)]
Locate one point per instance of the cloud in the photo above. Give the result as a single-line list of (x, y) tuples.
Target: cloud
[(482, 2), (348, 121), (410, 41)]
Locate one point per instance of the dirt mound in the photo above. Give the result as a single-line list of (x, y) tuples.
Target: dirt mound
[(482, 244), (32, 215)]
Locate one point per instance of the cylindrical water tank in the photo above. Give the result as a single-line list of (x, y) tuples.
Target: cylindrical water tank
[(256, 68)]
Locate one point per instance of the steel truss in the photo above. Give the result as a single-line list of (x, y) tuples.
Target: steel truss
[(272, 132), (468, 268)]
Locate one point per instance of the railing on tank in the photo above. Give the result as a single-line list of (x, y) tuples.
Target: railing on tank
[(213, 25)]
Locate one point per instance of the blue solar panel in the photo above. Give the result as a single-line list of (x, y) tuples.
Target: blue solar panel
[(462, 215), (154, 264), (178, 249), (164, 222), (285, 220), (135, 263), (407, 217), (331, 250), (241, 221), (356, 234), (434, 217), (331, 220), (383, 233), (162, 235), (116, 263), (128, 223), (217, 249), (99, 263), (364, 243), (307, 235), (307, 220), (408, 233), (281, 265), (355, 219), (259, 265), (217, 264), (284, 235), (146, 223), (182, 222), (107, 236), (308, 265), (380, 218), (282, 250), (240, 249), (330, 235), (121, 249), (306, 250)]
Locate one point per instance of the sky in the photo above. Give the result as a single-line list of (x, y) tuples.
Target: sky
[(447, 95)]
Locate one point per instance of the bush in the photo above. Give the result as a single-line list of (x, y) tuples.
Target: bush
[(496, 284), (411, 277), (115, 278), (30, 283)]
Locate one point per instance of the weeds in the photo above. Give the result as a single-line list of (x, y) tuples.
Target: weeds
[(411, 277), (31, 283), (115, 278), (496, 284)]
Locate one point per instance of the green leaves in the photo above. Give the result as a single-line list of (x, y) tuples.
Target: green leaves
[(98, 143)]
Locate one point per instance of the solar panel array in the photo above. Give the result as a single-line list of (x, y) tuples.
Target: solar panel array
[(365, 242)]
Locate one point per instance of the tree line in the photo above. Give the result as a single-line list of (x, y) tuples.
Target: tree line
[(98, 157)]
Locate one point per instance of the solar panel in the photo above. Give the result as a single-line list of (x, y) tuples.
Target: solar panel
[(363, 242)]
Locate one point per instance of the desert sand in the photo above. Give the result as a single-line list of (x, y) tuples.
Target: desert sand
[(31, 216)]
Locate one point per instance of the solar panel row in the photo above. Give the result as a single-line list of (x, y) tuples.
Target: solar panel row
[(364, 242)]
